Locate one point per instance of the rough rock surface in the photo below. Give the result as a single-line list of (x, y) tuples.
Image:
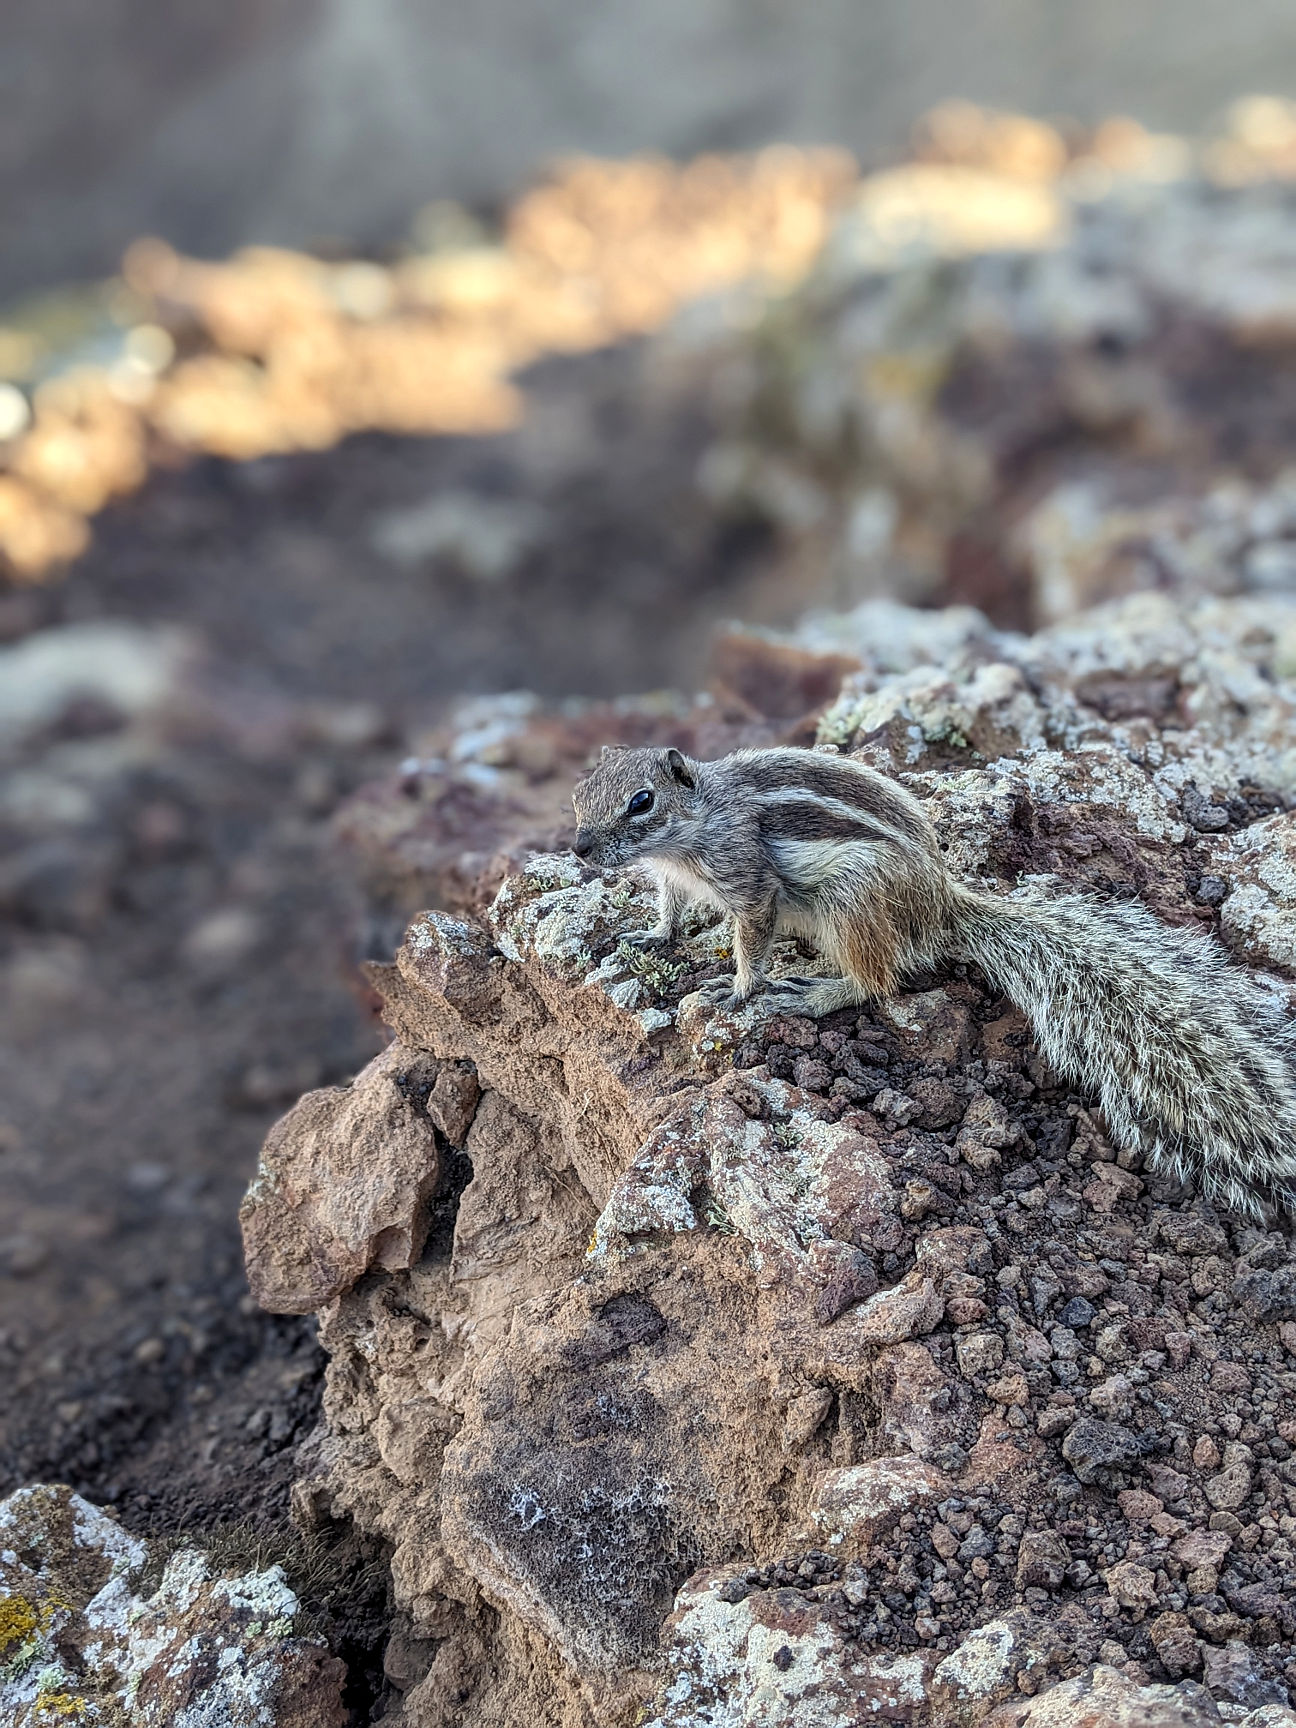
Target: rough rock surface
[(763, 1370), (87, 1636), (351, 1170)]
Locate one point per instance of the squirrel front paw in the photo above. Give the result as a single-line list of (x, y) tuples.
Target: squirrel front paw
[(721, 992), (654, 938)]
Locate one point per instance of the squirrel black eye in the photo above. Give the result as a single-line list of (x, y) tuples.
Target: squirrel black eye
[(640, 804)]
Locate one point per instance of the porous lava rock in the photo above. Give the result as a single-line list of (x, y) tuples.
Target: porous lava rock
[(757, 1369)]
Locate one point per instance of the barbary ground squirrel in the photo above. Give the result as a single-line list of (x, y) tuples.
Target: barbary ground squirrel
[(1188, 1059)]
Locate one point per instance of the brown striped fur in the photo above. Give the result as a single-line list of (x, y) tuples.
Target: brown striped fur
[(1188, 1060)]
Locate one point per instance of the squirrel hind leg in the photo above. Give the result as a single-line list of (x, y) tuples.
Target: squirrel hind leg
[(815, 997)]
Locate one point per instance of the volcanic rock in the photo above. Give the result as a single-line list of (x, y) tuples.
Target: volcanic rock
[(710, 1374), (84, 1636)]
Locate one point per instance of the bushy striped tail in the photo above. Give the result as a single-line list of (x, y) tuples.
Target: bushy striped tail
[(1189, 1060)]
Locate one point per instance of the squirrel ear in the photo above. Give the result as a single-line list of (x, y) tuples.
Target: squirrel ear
[(680, 767), (611, 750)]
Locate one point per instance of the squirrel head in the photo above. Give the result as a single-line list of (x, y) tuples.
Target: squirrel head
[(632, 805)]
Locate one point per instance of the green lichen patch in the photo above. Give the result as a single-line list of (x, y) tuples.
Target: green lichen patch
[(652, 969)]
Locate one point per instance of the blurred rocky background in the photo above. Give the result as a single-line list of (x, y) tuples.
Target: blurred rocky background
[(318, 120), (393, 407)]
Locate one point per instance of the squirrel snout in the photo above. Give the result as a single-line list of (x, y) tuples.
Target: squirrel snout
[(583, 844)]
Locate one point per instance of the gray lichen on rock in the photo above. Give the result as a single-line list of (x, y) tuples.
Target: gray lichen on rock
[(805, 1372), (85, 1637)]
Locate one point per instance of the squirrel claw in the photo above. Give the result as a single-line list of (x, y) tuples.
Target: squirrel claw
[(646, 938), (790, 992), (720, 993)]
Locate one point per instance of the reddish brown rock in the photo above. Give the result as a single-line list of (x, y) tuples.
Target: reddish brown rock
[(1042, 1560), (1132, 1585), (722, 1285), (345, 1179), (853, 1509), (1107, 1698), (1202, 1548)]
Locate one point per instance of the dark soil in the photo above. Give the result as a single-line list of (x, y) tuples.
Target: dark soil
[(274, 562), (1135, 1431)]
